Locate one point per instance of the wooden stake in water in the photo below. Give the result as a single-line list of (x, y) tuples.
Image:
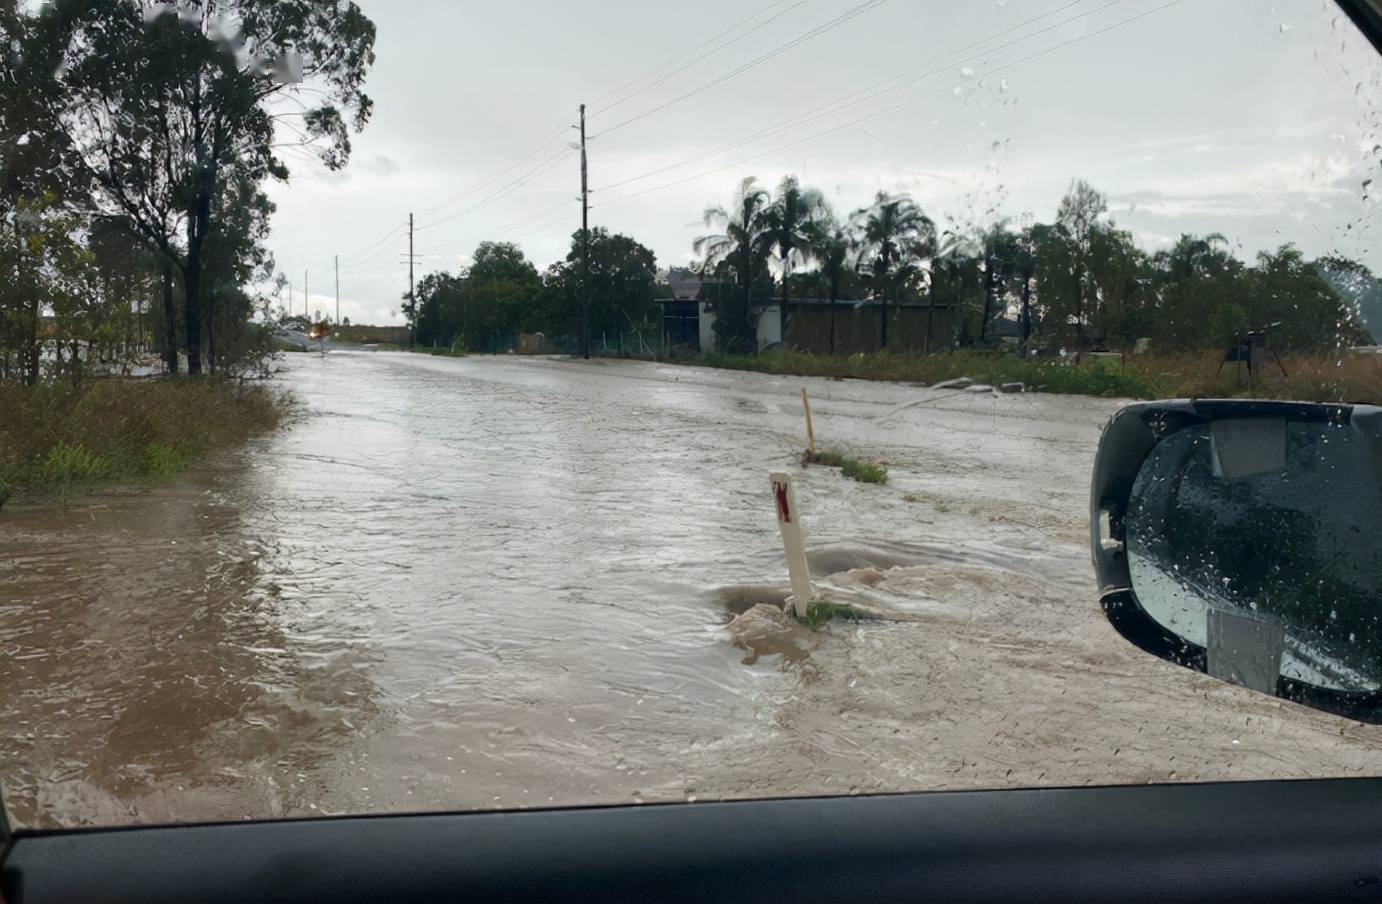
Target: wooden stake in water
[(810, 432), (789, 523)]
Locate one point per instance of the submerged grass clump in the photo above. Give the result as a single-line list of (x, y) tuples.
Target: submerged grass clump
[(863, 471), (851, 467), (57, 439)]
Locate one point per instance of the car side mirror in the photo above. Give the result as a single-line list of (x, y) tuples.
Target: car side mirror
[(1241, 539)]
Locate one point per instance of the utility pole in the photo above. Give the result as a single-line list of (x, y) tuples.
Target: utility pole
[(585, 248), (306, 298), (336, 262), (412, 299)]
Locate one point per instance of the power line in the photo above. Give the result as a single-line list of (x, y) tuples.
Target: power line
[(846, 101), (542, 227), (709, 53), (488, 180), (507, 189), (551, 161), (834, 106), (890, 109), (658, 69), (502, 230), (551, 134), (388, 235), (533, 216), (819, 30), (375, 256)]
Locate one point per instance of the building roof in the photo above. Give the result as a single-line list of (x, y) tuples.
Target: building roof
[(685, 284)]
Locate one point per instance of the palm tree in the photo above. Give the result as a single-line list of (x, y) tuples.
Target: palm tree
[(794, 219), (892, 231), (743, 243), (834, 250), (1196, 255)]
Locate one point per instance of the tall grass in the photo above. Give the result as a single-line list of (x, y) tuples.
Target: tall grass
[(1324, 377), (59, 438)]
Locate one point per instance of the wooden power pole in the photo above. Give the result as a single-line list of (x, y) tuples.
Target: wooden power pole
[(585, 248), (412, 298)]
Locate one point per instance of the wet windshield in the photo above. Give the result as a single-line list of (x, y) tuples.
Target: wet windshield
[(389, 392)]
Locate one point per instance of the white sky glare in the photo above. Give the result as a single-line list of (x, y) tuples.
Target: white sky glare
[(1259, 121)]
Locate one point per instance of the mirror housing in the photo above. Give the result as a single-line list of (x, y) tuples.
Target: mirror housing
[(1273, 632)]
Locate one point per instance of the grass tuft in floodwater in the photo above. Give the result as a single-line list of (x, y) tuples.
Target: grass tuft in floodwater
[(819, 612), (851, 467)]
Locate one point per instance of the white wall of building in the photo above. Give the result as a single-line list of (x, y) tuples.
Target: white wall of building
[(707, 324), (769, 326)]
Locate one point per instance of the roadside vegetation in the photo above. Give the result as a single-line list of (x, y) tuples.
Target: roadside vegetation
[(57, 439), (1323, 377)]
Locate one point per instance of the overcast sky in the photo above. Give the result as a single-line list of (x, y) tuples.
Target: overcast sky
[(1260, 121)]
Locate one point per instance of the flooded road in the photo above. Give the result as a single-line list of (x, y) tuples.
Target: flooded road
[(503, 582)]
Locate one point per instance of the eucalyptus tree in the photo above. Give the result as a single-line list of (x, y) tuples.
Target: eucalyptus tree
[(169, 103)]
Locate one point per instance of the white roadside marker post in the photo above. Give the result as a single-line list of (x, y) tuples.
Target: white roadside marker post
[(789, 523)]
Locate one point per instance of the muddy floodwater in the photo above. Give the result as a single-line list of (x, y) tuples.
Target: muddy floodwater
[(503, 582)]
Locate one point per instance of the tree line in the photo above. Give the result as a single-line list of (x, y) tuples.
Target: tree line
[(135, 141), (1078, 281)]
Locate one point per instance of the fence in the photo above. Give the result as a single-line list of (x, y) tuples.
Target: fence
[(630, 343)]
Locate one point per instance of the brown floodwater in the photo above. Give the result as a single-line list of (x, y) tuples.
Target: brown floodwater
[(503, 582)]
